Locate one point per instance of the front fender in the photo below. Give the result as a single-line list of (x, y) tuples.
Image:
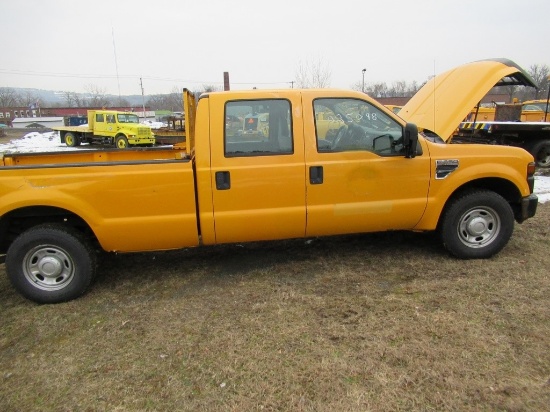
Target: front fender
[(506, 175)]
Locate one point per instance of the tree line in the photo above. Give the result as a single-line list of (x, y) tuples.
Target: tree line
[(308, 75)]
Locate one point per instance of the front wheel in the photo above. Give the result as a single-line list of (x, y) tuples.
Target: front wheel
[(121, 142), (50, 264), (476, 225)]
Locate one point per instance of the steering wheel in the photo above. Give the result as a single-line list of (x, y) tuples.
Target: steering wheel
[(339, 136), (351, 135)]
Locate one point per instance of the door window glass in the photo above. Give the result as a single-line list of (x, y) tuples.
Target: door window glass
[(355, 125), (258, 128)]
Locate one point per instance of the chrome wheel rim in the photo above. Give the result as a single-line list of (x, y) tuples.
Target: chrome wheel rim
[(479, 227), (48, 267)]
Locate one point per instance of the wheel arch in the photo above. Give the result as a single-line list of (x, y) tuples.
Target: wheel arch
[(505, 188), (19, 220)]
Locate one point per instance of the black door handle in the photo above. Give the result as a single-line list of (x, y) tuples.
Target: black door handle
[(316, 175), (223, 181)]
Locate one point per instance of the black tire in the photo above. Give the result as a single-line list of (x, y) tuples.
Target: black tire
[(121, 142), (476, 224), (50, 264), (71, 139), (541, 153)]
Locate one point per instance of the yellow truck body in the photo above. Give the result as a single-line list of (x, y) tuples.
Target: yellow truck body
[(535, 111), (376, 173), (119, 129), (531, 111)]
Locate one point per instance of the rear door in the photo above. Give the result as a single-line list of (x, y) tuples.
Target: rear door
[(258, 174), (100, 124)]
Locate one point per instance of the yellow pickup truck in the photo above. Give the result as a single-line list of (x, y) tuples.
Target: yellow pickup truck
[(375, 173), (110, 127)]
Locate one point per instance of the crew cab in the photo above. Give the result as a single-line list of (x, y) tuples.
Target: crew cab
[(293, 180)]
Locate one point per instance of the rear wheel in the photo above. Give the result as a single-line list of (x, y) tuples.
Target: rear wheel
[(50, 264), (476, 225), (71, 139), (541, 153), (121, 142)]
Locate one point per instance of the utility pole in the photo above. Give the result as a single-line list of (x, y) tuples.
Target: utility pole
[(547, 97), (142, 98), (363, 87), (226, 85)]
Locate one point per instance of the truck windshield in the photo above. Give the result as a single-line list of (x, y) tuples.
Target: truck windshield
[(128, 118), (531, 107)]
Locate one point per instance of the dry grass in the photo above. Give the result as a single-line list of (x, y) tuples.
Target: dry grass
[(357, 323)]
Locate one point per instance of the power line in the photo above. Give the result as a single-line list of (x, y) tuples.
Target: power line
[(127, 76)]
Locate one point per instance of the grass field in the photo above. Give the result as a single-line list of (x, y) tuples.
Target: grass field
[(356, 323)]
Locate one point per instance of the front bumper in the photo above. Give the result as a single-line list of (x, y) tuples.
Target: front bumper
[(528, 208)]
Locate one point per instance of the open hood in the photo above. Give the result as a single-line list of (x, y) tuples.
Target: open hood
[(444, 101)]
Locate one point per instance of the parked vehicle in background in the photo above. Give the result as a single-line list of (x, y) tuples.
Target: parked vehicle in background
[(172, 133), (394, 108), (535, 111), (109, 127)]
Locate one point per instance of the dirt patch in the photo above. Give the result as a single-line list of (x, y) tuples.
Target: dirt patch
[(11, 134), (350, 323)]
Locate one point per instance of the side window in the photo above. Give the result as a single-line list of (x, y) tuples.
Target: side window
[(258, 128), (355, 125), (111, 118), (99, 117)]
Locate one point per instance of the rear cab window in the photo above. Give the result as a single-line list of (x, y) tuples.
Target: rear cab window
[(258, 128)]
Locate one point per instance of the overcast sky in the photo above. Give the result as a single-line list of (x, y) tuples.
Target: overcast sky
[(70, 45)]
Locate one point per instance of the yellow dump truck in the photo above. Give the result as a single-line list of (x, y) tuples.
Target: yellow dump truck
[(109, 127), (375, 173)]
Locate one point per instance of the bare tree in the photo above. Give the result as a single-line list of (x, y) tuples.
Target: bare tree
[(121, 102), (397, 89), (172, 101), (71, 99), (156, 102), (207, 88), (175, 100), (98, 96), (8, 97), (375, 90), (313, 74), (381, 89), (540, 73), (29, 99)]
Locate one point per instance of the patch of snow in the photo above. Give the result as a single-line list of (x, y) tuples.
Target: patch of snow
[(154, 125), (542, 188), (35, 142)]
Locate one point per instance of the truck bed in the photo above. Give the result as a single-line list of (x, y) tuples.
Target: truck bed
[(85, 157), (78, 129)]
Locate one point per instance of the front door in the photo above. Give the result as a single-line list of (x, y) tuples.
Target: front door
[(358, 177)]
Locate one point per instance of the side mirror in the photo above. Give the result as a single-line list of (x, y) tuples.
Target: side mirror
[(410, 140)]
